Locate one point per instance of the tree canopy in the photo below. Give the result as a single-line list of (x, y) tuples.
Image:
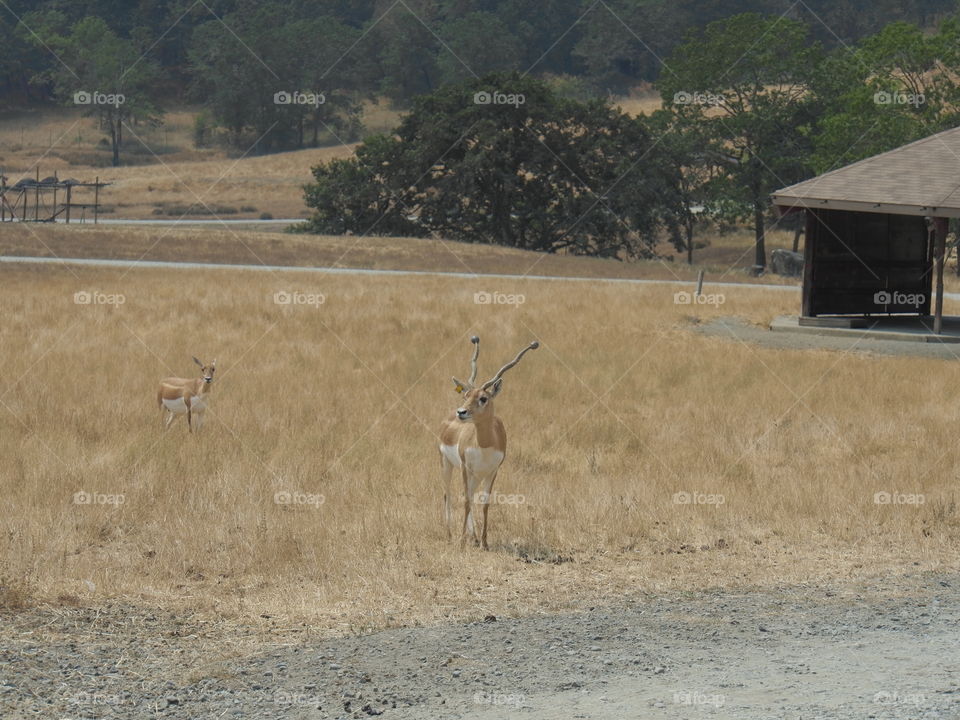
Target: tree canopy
[(504, 159)]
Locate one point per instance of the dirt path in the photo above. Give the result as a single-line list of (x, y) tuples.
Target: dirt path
[(884, 649)]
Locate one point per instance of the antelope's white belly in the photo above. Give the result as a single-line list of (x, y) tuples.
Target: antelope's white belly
[(483, 461), (179, 406), (452, 454)]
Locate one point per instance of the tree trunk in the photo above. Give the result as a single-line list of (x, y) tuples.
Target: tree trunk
[(689, 229), (760, 261), (797, 232), (115, 142)]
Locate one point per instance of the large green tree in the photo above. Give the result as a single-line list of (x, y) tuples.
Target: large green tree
[(743, 86), (477, 44), (278, 85), (504, 160), (894, 87), (101, 72)]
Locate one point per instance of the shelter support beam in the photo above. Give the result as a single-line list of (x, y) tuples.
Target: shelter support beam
[(939, 244)]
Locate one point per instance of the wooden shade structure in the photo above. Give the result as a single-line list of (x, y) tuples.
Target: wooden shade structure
[(876, 232), (16, 199)]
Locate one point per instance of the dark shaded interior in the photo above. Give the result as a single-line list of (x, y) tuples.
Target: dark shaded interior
[(859, 263)]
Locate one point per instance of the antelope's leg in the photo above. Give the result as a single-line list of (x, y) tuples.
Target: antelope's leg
[(473, 484), (446, 475), (170, 417), (487, 495), (467, 507)]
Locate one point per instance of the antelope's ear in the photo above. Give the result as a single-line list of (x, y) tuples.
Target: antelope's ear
[(197, 361), (494, 389), (460, 386)]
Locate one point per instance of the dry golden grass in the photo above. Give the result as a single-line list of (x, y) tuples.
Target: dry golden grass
[(62, 137), (621, 408), (229, 187), (640, 103), (162, 171), (724, 260)]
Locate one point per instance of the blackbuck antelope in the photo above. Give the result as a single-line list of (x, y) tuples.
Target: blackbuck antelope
[(179, 396), (473, 439)]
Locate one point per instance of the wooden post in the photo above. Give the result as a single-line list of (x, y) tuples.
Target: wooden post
[(809, 250), (69, 200), (36, 198), (96, 201), (939, 243), (699, 283)]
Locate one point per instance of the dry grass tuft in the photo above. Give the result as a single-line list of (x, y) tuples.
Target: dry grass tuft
[(620, 410)]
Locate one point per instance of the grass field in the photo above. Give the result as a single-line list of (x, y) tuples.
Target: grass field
[(647, 456), (724, 259), (163, 173)]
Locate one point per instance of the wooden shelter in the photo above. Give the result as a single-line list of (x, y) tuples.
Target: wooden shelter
[(876, 232), (46, 200)]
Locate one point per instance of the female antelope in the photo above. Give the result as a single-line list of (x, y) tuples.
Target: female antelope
[(179, 396), (473, 439)]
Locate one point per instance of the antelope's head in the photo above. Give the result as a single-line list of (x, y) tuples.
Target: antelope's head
[(477, 403), (207, 370)]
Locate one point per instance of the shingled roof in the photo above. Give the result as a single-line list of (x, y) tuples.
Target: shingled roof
[(922, 178)]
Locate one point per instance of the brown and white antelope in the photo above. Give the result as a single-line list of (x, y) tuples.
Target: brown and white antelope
[(179, 396), (474, 440)]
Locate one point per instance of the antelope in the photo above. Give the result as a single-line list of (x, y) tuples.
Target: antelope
[(179, 396), (473, 439)]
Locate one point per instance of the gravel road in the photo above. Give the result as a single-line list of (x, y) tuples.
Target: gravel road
[(885, 648)]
